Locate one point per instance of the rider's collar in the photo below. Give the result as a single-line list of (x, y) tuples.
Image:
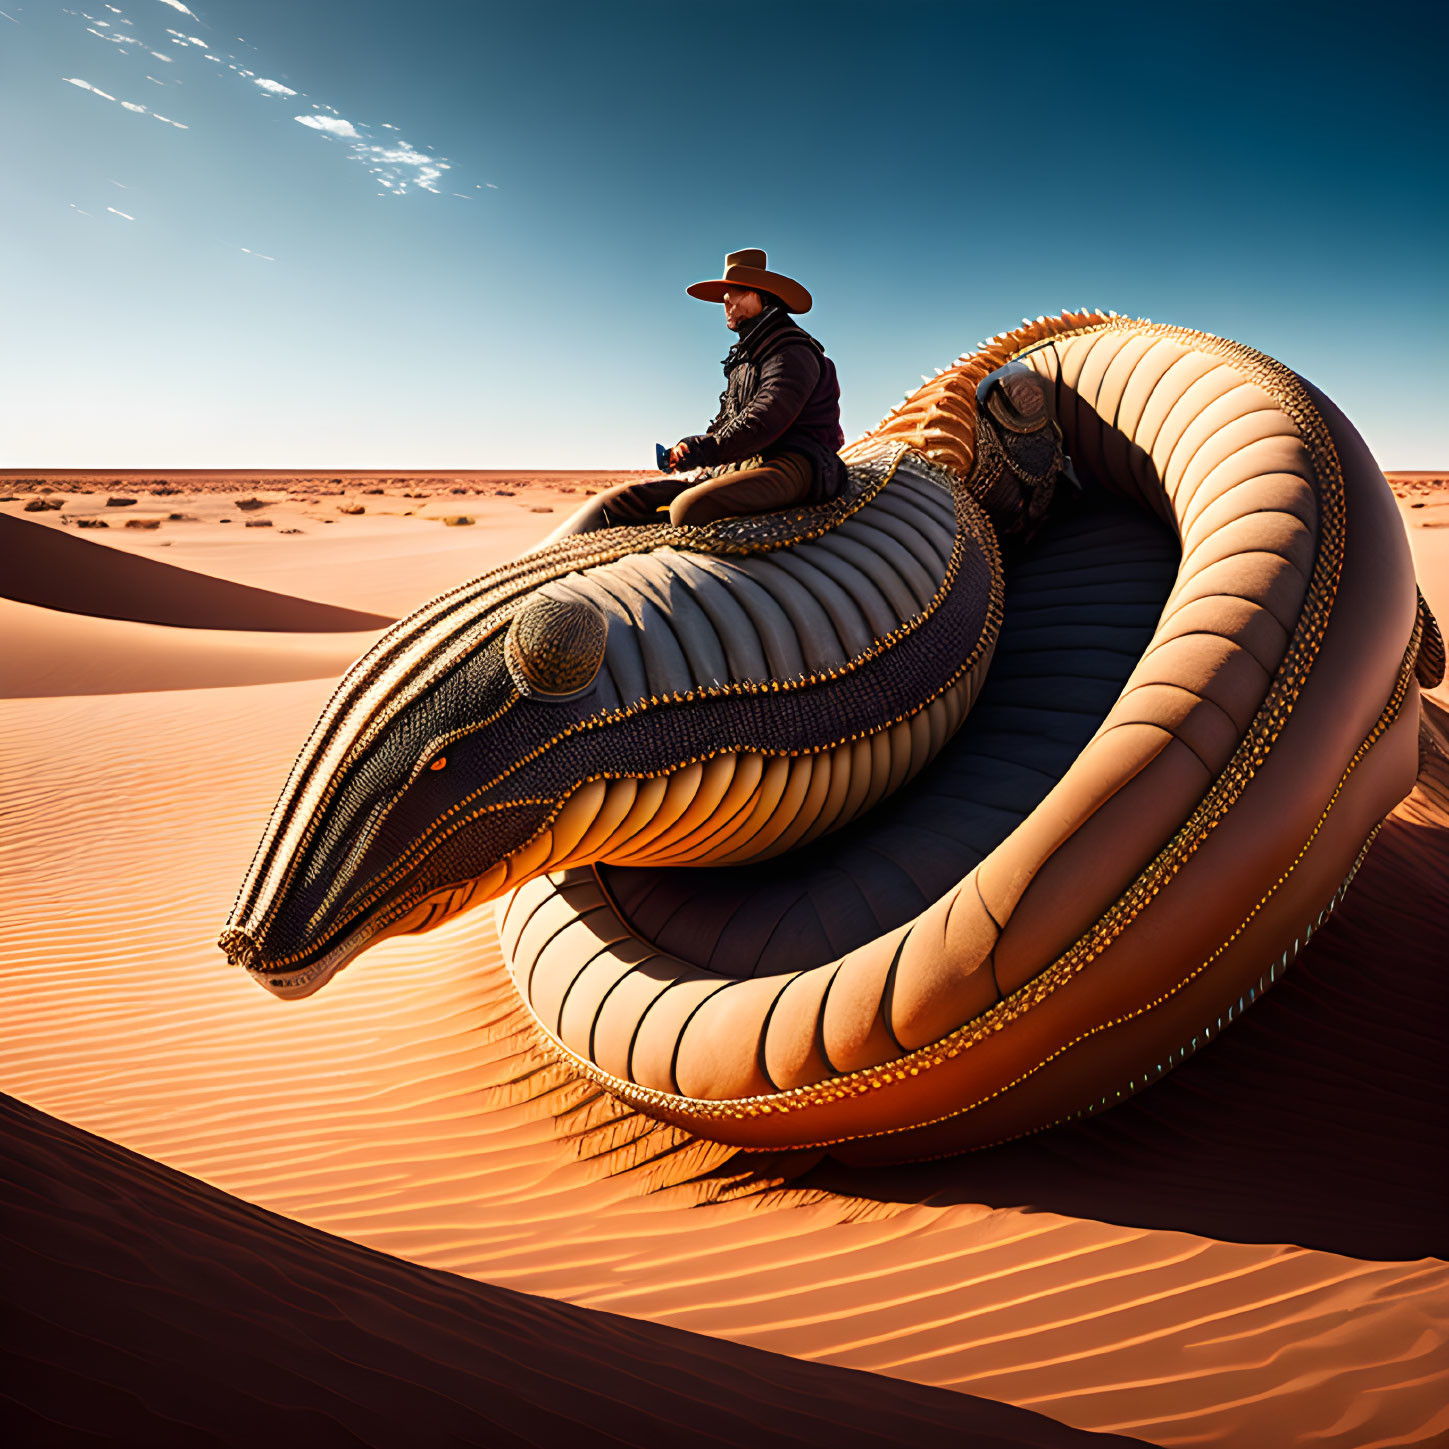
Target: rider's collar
[(749, 328)]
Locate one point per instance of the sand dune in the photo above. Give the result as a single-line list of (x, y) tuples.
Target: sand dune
[(386, 554), (145, 1307), (48, 652), (1248, 1254), (58, 570)]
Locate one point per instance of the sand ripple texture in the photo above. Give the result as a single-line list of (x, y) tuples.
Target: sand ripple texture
[(1249, 1254), (257, 1329)]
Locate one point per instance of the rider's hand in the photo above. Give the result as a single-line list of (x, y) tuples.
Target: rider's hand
[(677, 454)]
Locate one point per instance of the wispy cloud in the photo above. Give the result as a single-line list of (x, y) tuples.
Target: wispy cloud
[(260, 256), (396, 164), (124, 215), (425, 169), (332, 125), (85, 85)]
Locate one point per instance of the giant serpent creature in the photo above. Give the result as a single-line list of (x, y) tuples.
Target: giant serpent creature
[(1032, 834)]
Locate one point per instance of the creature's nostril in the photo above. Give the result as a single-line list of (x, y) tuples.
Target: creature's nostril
[(240, 949)]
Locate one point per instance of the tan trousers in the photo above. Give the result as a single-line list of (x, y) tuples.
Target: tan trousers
[(783, 482)]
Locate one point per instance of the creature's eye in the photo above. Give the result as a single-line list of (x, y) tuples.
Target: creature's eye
[(439, 763)]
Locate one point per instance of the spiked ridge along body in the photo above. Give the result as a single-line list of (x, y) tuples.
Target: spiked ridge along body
[(766, 683)]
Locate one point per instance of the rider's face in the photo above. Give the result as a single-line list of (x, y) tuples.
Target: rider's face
[(739, 306)]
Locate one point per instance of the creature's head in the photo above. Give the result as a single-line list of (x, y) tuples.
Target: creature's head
[(435, 764), (615, 697)]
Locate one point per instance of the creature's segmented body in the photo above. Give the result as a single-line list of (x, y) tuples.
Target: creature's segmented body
[(1131, 854)]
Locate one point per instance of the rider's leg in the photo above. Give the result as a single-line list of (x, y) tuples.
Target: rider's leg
[(625, 503), (783, 482)]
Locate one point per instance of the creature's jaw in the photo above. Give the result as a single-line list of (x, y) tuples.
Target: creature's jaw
[(293, 982)]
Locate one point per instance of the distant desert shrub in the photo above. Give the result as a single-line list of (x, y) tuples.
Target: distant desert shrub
[(457, 520)]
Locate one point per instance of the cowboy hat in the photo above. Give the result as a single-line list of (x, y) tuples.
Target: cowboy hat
[(745, 271)]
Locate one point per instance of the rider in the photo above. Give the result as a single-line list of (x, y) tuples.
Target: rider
[(775, 441)]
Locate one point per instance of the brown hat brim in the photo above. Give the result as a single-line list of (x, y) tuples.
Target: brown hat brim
[(749, 279)]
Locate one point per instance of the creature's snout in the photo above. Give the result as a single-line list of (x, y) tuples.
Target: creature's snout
[(240, 949)]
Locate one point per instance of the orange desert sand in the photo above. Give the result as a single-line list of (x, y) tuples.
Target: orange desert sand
[(1250, 1254)]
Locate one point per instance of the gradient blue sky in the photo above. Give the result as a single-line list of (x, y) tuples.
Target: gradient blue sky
[(237, 293)]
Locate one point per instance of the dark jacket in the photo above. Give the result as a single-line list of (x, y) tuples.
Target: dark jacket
[(781, 396)]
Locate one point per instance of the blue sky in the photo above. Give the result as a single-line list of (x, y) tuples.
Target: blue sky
[(208, 276)]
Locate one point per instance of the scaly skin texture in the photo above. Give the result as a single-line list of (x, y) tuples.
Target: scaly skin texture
[(1037, 989)]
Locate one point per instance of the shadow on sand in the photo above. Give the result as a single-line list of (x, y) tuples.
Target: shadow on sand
[(1320, 1119)]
